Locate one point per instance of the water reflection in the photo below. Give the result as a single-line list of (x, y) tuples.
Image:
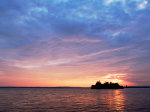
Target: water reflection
[(119, 100), (110, 100)]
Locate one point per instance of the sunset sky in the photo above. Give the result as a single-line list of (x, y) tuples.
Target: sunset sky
[(74, 42)]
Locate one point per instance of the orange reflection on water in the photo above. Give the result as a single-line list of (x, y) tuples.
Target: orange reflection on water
[(116, 100), (119, 100)]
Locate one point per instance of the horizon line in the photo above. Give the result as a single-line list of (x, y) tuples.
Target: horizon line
[(64, 87)]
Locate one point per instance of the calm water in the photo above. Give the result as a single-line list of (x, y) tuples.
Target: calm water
[(74, 100)]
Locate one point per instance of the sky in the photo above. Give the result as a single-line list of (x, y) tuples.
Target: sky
[(74, 42)]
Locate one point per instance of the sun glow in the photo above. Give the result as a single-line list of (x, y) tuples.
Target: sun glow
[(116, 78)]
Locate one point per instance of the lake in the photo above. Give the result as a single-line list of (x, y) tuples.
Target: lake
[(74, 100)]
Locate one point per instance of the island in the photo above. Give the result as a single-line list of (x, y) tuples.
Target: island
[(106, 85)]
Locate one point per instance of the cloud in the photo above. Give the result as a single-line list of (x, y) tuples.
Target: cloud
[(84, 40)]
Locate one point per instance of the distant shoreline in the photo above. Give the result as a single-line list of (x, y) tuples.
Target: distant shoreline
[(44, 87), (137, 87)]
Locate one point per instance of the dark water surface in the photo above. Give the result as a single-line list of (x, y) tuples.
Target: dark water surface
[(74, 100)]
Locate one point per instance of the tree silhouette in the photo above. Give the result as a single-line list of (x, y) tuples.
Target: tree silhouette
[(106, 85)]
